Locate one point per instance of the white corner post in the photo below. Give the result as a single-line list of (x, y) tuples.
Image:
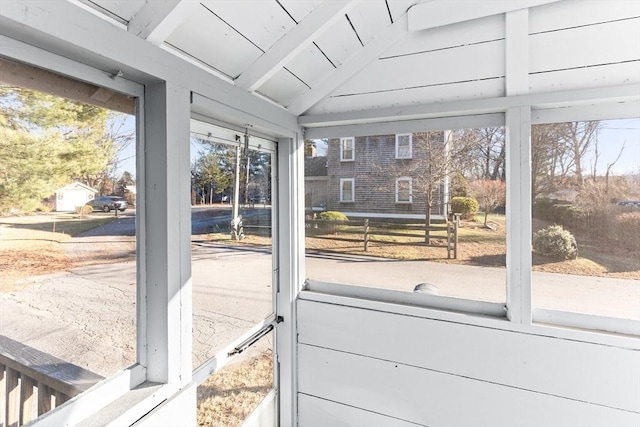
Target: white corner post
[(167, 238), (518, 145), (291, 271)]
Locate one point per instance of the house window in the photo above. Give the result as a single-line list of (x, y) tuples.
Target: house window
[(347, 148), (347, 190), (404, 145), (403, 190)]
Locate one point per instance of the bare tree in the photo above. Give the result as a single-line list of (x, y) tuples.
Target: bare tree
[(489, 193), (578, 138), (437, 157)]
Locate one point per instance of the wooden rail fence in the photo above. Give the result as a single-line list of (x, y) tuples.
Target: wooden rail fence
[(369, 230), (33, 382)]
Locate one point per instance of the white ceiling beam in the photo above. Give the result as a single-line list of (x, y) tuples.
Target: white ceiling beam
[(621, 93), (157, 19), (440, 13), (407, 126), (292, 43), (369, 53)]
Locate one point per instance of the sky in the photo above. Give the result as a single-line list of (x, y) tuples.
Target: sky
[(614, 133)]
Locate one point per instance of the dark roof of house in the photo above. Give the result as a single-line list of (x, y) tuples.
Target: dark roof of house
[(315, 166)]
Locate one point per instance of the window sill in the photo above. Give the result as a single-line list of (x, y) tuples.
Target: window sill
[(456, 310)]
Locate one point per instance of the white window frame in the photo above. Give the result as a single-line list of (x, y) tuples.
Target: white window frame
[(398, 140), (353, 186), (343, 143), (518, 309), (402, 179)]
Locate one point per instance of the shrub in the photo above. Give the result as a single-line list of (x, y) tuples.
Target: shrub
[(332, 216), (626, 229), (466, 206), (542, 208), (84, 210), (555, 242)]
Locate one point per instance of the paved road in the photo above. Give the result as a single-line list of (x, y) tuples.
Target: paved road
[(205, 219), (87, 315)]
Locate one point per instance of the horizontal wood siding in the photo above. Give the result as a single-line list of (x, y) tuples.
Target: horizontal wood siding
[(435, 372), (315, 412)]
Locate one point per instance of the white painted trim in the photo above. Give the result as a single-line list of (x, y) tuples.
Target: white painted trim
[(390, 296), (353, 190), (610, 94), (407, 126), (196, 117), (286, 48), (343, 143), (141, 234), (217, 132), (618, 110), (290, 273), (435, 14), (405, 178), (40, 58), (369, 53), (156, 20), (222, 358), (410, 135), (168, 232), (586, 321), (518, 146), (97, 397), (108, 17), (212, 108), (378, 300)]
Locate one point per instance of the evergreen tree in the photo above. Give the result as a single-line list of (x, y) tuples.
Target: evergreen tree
[(47, 142)]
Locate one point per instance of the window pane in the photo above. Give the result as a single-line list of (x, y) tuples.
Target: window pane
[(347, 191), (232, 265), (67, 239), (347, 148), (397, 197), (403, 146), (404, 190), (586, 217)]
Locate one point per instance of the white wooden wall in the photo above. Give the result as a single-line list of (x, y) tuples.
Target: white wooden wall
[(568, 45), (359, 366)]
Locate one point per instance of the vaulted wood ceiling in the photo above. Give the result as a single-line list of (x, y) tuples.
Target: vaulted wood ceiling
[(321, 58)]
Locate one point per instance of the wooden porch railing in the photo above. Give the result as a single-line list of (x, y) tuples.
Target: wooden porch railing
[(33, 382)]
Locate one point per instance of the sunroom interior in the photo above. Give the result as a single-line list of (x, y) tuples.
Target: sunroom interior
[(273, 74)]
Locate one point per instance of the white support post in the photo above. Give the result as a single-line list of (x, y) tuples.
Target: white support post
[(518, 131), (167, 235), (291, 270), (518, 146)]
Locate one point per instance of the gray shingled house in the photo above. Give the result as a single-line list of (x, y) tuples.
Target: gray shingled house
[(383, 176)]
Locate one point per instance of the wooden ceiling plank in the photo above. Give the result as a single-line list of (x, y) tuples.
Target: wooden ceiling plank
[(158, 19), (440, 13), (387, 38), (318, 21)]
